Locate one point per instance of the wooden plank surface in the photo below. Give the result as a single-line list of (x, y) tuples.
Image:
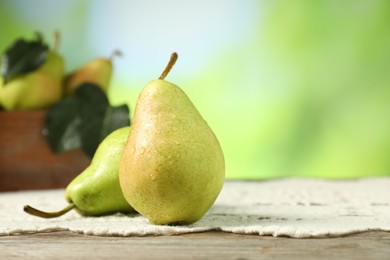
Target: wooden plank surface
[(209, 245), (26, 160)]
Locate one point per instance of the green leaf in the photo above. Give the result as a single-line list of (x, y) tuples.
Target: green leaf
[(83, 120), (114, 118), (62, 124), (22, 57)]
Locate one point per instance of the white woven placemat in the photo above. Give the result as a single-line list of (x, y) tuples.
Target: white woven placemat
[(298, 208)]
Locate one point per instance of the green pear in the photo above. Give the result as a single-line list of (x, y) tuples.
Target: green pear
[(96, 190), (97, 71), (37, 89), (172, 168)]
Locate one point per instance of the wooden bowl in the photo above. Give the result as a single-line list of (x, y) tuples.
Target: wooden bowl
[(26, 160)]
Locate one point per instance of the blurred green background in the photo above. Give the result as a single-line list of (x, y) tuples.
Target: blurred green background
[(291, 88)]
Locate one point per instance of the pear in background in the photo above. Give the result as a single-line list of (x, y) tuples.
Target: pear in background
[(96, 191), (37, 89), (97, 71), (172, 168)]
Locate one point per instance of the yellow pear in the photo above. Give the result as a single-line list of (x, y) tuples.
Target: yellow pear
[(97, 71), (37, 89), (172, 167)]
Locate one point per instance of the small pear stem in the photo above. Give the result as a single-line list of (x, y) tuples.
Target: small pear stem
[(57, 40), (169, 66), (115, 53), (36, 212)]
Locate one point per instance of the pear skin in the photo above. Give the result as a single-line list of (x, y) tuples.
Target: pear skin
[(55, 65), (172, 167), (37, 89), (96, 190), (98, 71)]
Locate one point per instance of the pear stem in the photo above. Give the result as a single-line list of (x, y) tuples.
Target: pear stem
[(169, 66), (57, 40), (38, 213), (115, 53)]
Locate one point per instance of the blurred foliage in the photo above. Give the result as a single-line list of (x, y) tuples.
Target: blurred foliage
[(331, 120), (304, 92)]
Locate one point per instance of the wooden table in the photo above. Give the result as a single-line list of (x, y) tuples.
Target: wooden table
[(208, 245)]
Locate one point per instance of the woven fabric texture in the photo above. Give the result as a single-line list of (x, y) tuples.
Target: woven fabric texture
[(298, 208)]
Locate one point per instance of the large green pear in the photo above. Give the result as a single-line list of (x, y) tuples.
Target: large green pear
[(172, 167), (96, 191)]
